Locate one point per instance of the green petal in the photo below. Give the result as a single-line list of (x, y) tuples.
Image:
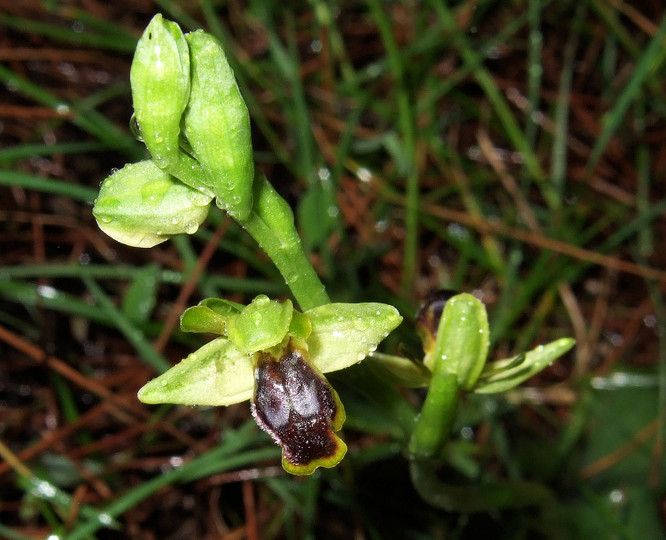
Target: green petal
[(217, 374), (505, 374), (344, 334), (300, 326), (210, 315), (223, 307), (203, 319)]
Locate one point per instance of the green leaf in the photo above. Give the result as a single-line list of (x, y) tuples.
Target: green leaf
[(262, 324), (142, 206), (344, 334), (216, 374), (462, 340), (316, 220), (140, 298), (505, 374)]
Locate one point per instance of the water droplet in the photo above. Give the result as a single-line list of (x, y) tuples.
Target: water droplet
[(262, 300), (44, 489), (292, 278), (361, 324), (164, 384), (135, 128), (176, 461), (105, 518), (617, 496), (363, 174)]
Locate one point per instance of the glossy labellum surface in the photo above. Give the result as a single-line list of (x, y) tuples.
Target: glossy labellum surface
[(297, 406)]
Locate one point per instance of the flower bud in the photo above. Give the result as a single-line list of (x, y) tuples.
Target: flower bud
[(461, 340), (140, 205), (217, 126), (160, 78)]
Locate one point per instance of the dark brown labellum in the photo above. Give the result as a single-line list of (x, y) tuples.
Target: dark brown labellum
[(298, 407)]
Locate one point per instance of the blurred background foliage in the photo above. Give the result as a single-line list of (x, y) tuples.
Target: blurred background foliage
[(509, 149)]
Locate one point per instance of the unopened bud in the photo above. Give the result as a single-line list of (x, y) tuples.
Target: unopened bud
[(217, 126), (160, 78), (140, 205)]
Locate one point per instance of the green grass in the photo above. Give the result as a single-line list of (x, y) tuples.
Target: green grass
[(513, 150)]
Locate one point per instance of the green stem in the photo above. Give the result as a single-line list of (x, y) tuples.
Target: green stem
[(437, 416), (271, 224)]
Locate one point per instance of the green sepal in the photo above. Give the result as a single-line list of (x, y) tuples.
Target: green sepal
[(344, 334), (217, 126), (508, 373), (399, 370), (262, 324), (462, 340), (160, 79), (216, 374), (141, 205)]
